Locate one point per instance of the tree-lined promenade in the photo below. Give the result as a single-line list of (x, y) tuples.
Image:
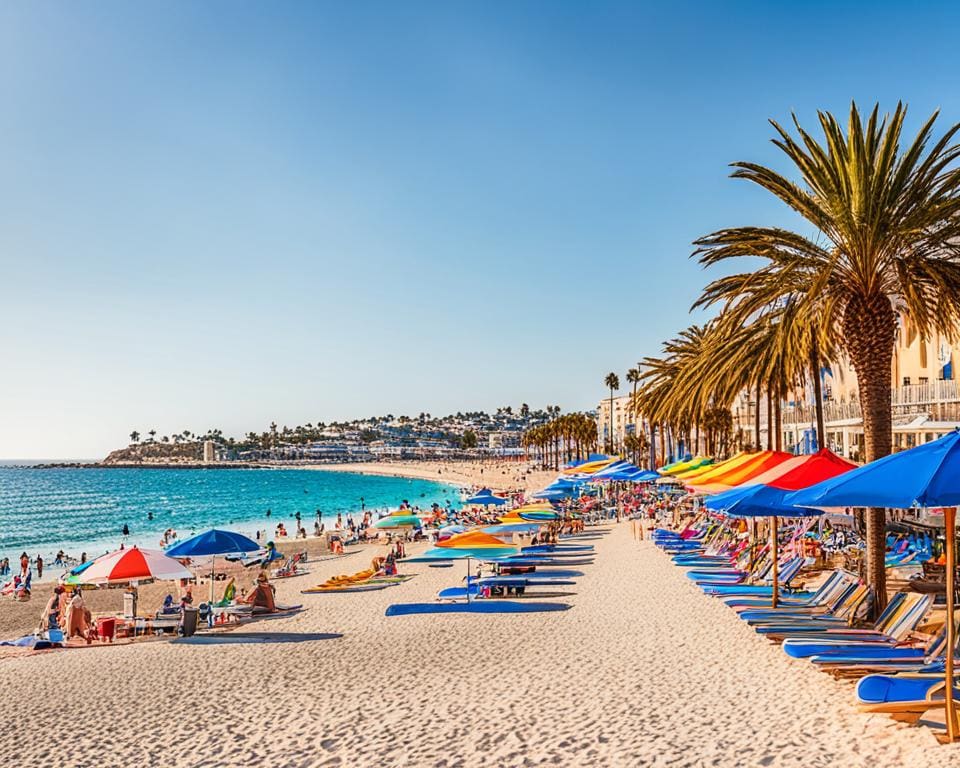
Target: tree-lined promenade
[(883, 242)]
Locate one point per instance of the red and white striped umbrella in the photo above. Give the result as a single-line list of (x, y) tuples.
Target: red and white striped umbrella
[(134, 564)]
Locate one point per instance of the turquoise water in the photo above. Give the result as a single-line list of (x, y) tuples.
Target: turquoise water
[(43, 510)]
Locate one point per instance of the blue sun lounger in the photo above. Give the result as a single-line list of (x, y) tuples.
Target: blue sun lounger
[(476, 606)]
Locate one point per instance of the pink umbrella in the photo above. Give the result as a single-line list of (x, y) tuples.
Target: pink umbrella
[(134, 564)]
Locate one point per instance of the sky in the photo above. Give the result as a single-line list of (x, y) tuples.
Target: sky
[(218, 215)]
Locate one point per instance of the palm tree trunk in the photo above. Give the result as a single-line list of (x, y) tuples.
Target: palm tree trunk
[(610, 436), (653, 445), (778, 416), (869, 326), (817, 390), (756, 426), (663, 443), (769, 419)]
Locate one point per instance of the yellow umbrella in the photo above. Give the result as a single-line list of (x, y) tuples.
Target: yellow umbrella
[(690, 474)]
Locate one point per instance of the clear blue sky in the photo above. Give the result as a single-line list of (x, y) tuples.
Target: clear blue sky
[(223, 214)]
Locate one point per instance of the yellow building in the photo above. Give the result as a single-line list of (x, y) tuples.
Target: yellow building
[(624, 421), (925, 401)]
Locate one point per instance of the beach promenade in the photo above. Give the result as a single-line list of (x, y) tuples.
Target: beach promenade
[(643, 670)]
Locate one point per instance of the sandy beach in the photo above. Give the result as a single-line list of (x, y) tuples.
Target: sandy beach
[(499, 476), (643, 670)]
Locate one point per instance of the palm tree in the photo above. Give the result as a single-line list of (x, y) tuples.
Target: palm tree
[(888, 242), (134, 437), (613, 382), (153, 434), (633, 376)]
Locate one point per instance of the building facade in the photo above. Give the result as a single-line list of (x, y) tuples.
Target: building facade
[(925, 402), (624, 422)]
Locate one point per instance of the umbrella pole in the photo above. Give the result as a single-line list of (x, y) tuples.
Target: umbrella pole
[(468, 579), (774, 530), (950, 521), (213, 570)]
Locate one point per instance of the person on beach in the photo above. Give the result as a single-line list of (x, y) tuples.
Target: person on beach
[(50, 618), (77, 620), (126, 530), (262, 595), (4, 566), (39, 567), (21, 582)]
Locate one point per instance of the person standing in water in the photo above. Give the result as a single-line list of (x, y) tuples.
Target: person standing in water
[(39, 567)]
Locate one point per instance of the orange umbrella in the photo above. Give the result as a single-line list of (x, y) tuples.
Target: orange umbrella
[(723, 468)]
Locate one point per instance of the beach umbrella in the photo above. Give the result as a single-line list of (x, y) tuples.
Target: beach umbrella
[(683, 466), (689, 474), (467, 546), (398, 521), (757, 465), (615, 471), (212, 543), (508, 529), (643, 476), (555, 495), (134, 564), (485, 497), (770, 499), (925, 476), (716, 469), (589, 467), (450, 530)]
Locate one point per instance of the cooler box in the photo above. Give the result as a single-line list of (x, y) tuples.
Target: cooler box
[(106, 627)]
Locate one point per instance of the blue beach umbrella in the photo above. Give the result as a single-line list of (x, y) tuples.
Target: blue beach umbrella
[(925, 476), (759, 501), (212, 543), (554, 494), (485, 497)]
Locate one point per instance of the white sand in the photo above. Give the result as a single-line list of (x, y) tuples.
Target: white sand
[(499, 476), (643, 670)]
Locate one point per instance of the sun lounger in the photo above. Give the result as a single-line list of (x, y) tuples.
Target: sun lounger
[(905, 693), (826, 593), (476, 606), (892, 627)]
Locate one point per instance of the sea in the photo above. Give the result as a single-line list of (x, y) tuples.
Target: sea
[(44, 510)]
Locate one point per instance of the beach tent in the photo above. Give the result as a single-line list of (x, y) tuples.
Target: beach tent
[(925, 476), (134, 564), (212, 543), (485, 497), (757, 465)]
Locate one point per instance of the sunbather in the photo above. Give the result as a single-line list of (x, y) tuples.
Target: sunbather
[(261, 597)]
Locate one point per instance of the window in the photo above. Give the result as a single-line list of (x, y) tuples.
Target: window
[(906, 381), (922, 380)]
